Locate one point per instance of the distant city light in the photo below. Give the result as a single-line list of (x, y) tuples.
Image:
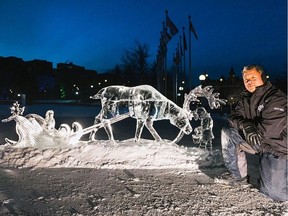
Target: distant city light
[(92, 86), (221, 79)]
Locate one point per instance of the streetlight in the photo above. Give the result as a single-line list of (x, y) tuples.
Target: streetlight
[(202, 78)]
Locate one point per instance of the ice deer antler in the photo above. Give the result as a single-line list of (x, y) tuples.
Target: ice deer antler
[(213, 98)]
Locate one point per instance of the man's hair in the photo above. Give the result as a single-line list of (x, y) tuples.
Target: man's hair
[(258, 68)]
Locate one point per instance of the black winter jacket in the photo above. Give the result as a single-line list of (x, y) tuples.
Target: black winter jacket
[(267, 109)]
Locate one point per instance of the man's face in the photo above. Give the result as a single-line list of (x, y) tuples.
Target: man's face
[(252, 79)]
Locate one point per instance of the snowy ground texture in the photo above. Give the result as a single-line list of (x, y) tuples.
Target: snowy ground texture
[(123, 178)]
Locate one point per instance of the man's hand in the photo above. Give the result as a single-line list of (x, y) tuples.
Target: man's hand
[(252, 136)]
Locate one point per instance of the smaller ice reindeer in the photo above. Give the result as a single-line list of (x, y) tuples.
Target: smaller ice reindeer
[(146, 105), (203, 134)]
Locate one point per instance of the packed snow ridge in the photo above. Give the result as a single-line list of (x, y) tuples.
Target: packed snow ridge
[(127, 154)]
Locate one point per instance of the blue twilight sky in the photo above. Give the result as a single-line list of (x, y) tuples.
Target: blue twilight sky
[(94, 33)]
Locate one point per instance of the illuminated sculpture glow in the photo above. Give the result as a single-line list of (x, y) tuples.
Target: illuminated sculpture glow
[(33, 130), (144, 103), (203, 134)]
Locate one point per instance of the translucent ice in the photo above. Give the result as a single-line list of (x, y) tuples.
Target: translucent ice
[(203, 134), (33, 130), (145, 104)]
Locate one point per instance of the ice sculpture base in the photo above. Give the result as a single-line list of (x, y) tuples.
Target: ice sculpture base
[(147, 154)]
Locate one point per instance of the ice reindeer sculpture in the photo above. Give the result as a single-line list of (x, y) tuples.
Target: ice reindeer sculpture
[(142, 102), (146, 105)]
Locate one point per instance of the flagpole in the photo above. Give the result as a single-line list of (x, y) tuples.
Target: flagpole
[(181, 63), (174, 79), (165, 59), (190, 60), (158, 70), (184, 62), (165, 68), (176, 61)]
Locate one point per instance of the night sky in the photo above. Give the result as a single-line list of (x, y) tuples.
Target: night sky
[(94, 33)]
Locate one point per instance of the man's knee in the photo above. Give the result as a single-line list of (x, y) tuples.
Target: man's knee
[(225, 137), (225, 130)]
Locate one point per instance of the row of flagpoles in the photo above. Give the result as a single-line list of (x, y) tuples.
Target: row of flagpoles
[(169, 30)]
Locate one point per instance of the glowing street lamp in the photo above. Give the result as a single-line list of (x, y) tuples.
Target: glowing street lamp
[(202, 77)]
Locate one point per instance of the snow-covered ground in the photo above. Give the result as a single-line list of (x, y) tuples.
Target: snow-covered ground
[(124, 177)]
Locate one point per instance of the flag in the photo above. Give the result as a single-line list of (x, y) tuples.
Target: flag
[(191, 28), (184, 41), (166, 36), (171, 26)]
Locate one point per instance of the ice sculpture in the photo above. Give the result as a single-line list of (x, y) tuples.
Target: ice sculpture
[(203, 134), (33, 130), (146, 105)]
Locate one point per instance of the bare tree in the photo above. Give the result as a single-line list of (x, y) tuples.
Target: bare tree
[(135, 66)]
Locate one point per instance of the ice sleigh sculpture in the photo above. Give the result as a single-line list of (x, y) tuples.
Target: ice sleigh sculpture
[(144, 103), (33, 130)]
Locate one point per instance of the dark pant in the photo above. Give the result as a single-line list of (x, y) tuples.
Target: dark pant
[(273, 176), (273, 170)]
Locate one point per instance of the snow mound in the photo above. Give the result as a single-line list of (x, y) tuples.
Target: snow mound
[(127, 154)]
